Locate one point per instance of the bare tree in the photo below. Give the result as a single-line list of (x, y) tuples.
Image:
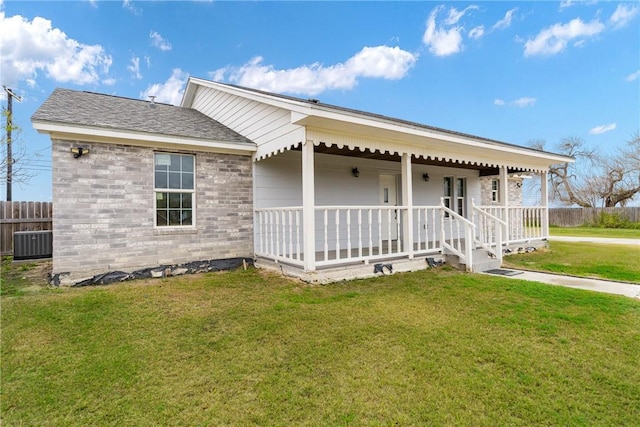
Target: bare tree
[(20, 163), (622, 181), (594, 180)]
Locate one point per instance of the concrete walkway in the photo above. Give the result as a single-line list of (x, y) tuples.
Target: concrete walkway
[(606, 286), (597, 285), (606, 240)]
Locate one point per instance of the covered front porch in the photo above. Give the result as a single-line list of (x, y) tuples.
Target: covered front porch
[(355, 210)]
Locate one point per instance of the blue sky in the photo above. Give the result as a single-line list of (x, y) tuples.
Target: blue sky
[(511, 71)]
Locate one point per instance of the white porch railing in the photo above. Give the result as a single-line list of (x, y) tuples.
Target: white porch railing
[(346, 234), (525, 223), (358, 233), (279, 234), (426, 230), (457, 235), (489, 231)]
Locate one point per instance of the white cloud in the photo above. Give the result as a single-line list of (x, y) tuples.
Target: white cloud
[(442, 41), (391, 63), (555, 38), (29, 47), (477, 32), (523, 102), (633, 76), (218, 75), (506, 21), (455, 14), (602, 129), (520, 102), (623, 15), (134, 68), (169, 92), (128, 4), (566, 3), (158, 41)]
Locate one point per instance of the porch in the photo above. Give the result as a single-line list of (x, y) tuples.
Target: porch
[(388, 222), (362, 238)]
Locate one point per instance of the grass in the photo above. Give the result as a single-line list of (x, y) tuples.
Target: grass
[(615, 262), (595, 232), (22, 277), (436, 347)]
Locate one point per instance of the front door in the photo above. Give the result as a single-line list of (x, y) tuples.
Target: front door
[(388, 194)]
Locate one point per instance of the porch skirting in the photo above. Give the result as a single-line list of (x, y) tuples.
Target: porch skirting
[(362, 270)]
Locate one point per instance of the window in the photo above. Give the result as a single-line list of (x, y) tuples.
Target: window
[(448, 193), (495, 190), (461, 184), (174, 189), (455, 197)]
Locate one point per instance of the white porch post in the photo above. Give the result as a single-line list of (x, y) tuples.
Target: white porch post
[(504, 200), (407, 200), (308, 206), (544, 201)]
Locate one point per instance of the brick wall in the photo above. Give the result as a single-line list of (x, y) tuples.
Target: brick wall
[(515, 192), (103, 211)]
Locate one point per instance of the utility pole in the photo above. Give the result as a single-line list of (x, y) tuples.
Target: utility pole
[(10, 96)]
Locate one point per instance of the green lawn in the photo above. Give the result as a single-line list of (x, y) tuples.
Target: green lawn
[(436, 347), (595, 232), (615, 262)]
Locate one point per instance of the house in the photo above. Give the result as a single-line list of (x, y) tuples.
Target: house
[(314, 190)]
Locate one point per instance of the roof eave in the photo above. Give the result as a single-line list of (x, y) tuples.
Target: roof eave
[(93, 134), (332, 120)]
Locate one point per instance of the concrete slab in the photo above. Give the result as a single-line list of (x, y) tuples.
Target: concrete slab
[(606, 240), (606, 286)]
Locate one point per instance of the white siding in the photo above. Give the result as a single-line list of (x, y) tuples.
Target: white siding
[(268, 126), (278, 183)]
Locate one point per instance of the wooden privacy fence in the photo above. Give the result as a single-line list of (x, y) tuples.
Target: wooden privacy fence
[(22, 216), (574, 217)]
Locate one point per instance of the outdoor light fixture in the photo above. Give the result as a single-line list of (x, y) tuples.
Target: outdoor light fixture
[(425, 176), (79, 151), (355, 172)]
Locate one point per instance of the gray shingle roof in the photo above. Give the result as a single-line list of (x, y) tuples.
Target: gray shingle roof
[(72, 107)]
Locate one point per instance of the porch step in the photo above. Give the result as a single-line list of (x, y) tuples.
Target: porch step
[(483, 262)]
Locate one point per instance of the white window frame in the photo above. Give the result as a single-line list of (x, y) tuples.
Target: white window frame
[(461, 199), (448, 198), (166, 190), (495, 190), (455, 201)]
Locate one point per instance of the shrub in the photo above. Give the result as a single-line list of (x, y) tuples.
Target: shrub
[(615, 220)]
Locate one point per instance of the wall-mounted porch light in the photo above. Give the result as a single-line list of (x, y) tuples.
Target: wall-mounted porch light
[(79, 151), (425, 176), (355, 172)]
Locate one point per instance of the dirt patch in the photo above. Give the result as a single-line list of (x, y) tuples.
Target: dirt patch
[(24, 276)]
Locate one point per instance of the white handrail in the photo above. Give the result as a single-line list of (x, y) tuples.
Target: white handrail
[(464, 253), (484, 235)]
